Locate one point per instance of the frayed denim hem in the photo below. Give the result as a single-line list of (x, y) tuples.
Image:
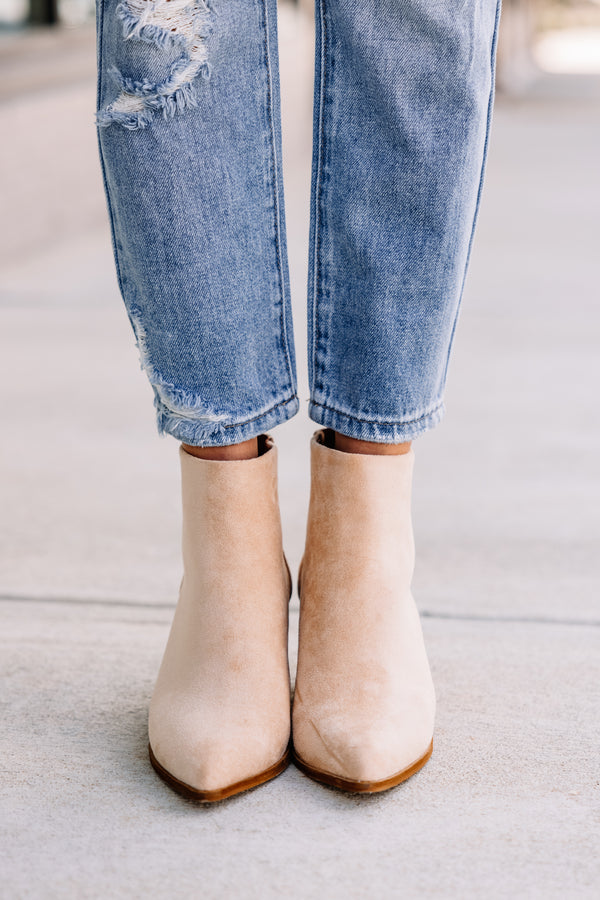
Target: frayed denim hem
[(218, 433), (368, 430)]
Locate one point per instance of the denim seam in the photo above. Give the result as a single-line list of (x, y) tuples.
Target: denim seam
[(99, 46), (480, 186), (263, 414), (347, 415), (318, 190), (275, 182), (102, 162)]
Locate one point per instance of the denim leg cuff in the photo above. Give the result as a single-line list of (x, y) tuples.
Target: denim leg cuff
[(218, 433), (379, 432)]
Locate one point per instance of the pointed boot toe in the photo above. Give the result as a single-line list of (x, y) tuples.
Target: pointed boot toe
[(364, 703), (222, 757), (219, 719), (357, 750)]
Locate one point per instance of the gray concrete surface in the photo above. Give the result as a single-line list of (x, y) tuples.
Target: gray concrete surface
[(507, 500)]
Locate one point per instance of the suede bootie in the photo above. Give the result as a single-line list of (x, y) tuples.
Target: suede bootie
[(364, 702), (220, 713)]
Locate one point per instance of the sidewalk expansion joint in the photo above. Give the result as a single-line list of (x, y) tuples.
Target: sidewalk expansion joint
[(425, 613)]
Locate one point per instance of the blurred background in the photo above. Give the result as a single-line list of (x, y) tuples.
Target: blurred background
[(506, 511)]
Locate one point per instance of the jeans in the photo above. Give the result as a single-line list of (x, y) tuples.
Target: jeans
[(189, 132)]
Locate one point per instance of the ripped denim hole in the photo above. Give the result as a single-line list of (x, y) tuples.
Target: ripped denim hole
[(178, 404), (184, 24), (172, 402)]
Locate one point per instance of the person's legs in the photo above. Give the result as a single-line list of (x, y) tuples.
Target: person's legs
[(192, 169), (403, 96), (403, 93), (190, 145)]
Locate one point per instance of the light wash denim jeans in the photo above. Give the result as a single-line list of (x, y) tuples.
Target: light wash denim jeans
[(190, 144)]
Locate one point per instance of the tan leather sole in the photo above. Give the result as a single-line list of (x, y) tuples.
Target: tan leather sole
[(362, 787), (191, 793)]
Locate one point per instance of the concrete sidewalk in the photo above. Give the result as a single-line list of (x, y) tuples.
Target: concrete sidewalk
[(507, 520)]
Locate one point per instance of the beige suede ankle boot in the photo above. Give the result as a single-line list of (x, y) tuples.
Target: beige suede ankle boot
[(220, 713), (364, 702)]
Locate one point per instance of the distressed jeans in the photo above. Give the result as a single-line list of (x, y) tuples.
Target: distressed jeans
[(189, 132)]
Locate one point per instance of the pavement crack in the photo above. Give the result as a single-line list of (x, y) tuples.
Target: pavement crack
[(84, 601), (522, 620), (122, 603)]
